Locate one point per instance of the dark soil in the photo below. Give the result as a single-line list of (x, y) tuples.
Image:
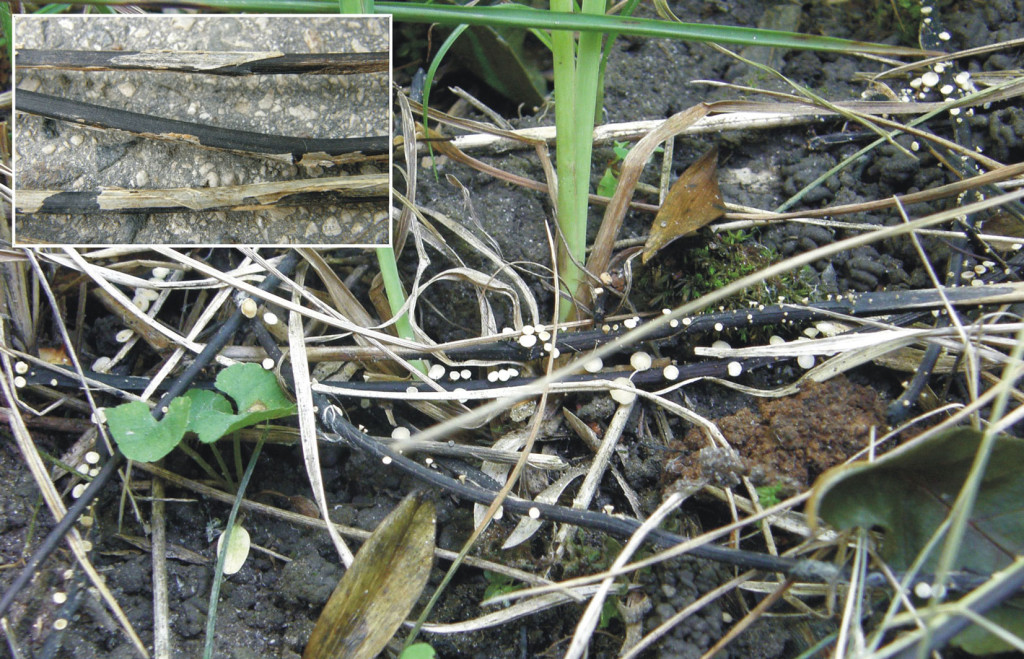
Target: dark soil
[(268, 609)]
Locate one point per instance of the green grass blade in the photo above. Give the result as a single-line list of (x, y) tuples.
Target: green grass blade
[(5, 23), (428, 81), (526, 17), (218, 574), (356, 6), (564, 56), (53, 9), (396, 297), (585, 87)]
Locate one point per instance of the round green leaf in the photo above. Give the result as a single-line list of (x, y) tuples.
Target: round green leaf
[(141, 437)]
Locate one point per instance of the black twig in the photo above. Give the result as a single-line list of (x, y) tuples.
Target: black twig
[(296, 150)]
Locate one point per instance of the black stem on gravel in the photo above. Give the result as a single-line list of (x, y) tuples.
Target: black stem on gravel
[(202, 360), (899, 410), (224, 334), (332, 419), (212, 137), (804, 569)]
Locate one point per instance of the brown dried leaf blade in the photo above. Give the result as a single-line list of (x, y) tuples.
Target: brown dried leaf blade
[(376, 594), (693, 202)]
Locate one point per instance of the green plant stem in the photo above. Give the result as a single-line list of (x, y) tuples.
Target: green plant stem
[(203, 464), (564, 58), (396, 297), (237, 450), (218, 576), (577, 71), (5, 24), (222, 464), (588, 68), (428, 81)]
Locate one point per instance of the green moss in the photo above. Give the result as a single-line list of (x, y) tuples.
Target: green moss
[(901, 16), (702, 264)]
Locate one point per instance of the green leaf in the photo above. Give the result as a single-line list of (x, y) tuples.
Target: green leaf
[(418, 651), (254, 389), (258, 397), (141, 437), (515, 15), (499, 584), (609, 613), (498, 57), (977, 641), (606, 186), (381, 586), (910, 492), (768, 495)]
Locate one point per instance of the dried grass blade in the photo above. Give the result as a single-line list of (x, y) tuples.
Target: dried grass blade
[(514, 612), (528, 526), (588, 621), (526, 296), (307, 426), (632, 167), (332, 320)]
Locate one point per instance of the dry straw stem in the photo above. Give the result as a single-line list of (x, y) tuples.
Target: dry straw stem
[(933, 619), (660, 557), (960, 54), (321, 312), (596, 470), (723, 116), (682, 614), (513, 612), (632, 167), (209, 313), (253, 196), (158, 552), (307, 420), (513, 476)]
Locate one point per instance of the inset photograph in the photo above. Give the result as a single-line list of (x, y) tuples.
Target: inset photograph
[(202, 130)]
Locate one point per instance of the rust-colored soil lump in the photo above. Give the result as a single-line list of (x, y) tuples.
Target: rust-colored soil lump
[(794, 439)]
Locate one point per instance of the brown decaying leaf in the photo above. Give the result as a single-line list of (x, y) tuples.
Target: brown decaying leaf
[(376, 594), (693, 202)]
